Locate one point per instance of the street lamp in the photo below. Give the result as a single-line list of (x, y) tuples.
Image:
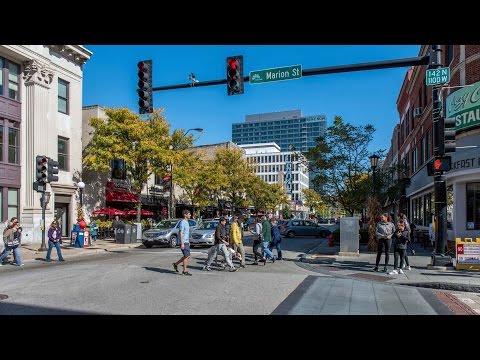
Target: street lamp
[(171, 212), (81, 186), (373, 163)]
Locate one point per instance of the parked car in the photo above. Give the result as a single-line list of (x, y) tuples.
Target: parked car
[(166, 232), (205, 234), (300, 227)]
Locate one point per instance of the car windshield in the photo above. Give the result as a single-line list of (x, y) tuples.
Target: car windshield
[(210, 225), (166, 224)]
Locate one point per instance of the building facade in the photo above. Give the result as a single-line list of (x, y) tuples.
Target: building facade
[(289, 129), (40, 114), (461, 100), (287, 168)]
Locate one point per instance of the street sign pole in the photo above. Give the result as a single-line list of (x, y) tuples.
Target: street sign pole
[(439, 181)]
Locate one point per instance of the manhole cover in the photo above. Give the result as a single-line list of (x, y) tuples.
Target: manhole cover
[(3, 296)]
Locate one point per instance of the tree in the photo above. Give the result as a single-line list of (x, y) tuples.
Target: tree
[(143, 144), (313, 200), (340, 159)]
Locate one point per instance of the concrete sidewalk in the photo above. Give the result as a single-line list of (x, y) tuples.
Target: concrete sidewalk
[(30, 252)]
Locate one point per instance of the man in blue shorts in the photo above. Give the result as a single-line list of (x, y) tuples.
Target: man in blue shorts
[(184, 243)]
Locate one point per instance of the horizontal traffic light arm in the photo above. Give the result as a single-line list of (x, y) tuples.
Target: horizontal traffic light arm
[(386, 64)]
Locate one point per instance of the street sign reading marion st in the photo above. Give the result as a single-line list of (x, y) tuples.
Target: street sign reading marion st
[(275, 74)]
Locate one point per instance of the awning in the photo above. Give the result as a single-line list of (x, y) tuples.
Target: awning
[(120, 196)]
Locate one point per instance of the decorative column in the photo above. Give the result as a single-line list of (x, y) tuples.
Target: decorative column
[(37, 78)]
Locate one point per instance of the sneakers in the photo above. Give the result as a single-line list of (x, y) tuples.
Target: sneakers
[(375, 268), (186, 273), (22, 264), (413, 252), (206, 268), (400, 271), (393, 272), (273, 259), (233, 269), (62, 259), (242, 266), (408, 268), (175, 267), (403, 266), (48, 260)]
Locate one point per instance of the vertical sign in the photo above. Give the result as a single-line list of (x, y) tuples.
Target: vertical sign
[(288, 177)]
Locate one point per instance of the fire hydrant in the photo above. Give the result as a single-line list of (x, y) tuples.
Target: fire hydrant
[(331, 240)]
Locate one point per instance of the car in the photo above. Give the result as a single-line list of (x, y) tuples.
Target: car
[(204, 234), (166, 232), (298, 227)]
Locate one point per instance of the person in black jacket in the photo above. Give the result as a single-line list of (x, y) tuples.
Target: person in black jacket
[(400, 239)]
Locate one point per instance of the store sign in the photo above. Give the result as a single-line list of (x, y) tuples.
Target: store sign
[(469, 163), (464, 106)]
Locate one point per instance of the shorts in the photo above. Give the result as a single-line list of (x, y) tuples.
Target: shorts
[(186, 249)]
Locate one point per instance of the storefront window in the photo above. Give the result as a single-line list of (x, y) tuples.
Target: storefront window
[(473, 206)]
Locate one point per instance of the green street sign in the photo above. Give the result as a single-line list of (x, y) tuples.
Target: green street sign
[(437, 76), (275, 74)]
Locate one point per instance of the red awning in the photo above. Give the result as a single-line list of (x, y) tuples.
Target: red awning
[(121, 196)]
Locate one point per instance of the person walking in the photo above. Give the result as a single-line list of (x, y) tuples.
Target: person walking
[(184, 243), (236, 236), (221, 242), (267, 238), (257, 242), (12, 238), (276, 239), (54, 238), (384, 233)]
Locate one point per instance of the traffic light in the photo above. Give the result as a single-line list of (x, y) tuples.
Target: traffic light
[(41, 168), (449, 134), (443, 163), (52, 166), (145, 97), (235, 75)]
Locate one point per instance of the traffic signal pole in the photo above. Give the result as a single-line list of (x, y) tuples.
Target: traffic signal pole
[(439, 259), (386, 64)]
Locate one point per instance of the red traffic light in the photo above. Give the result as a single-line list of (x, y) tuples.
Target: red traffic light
[(232, 63), (437, 164)]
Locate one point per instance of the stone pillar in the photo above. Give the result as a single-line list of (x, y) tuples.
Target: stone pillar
[(37, 79)]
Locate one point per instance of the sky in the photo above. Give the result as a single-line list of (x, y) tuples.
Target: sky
[(110, 80)]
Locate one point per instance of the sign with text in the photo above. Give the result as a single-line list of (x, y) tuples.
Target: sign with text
[(464, 106), (275, 74), (468, 253), (437, 76)]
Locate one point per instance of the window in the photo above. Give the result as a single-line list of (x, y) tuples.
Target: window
[(62, 96), (420, 97), (12, 203), (402, 134), (158, 180), (63, 153), (422, 151), (428, 148), (448, 55), (13, 146), (414, 159), (2, 64), (425, 99), (13, 80), (407, 164), (407, 123), (1, 142), (473, 206), (119, 171)]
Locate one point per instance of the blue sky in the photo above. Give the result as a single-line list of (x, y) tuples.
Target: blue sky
[(110, 79)]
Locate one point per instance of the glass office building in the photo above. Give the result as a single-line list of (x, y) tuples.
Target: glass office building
[(286, 128)]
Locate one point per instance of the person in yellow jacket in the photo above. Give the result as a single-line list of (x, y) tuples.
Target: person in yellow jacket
[(236, 239)]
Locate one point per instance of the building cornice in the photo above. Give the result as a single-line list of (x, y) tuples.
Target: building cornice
[(75, 53)]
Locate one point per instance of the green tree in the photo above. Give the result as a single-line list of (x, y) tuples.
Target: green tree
[(143, 144), (341, 160), (314, 200)]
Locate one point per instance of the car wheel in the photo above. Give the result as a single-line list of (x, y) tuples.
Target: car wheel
[(173, 241), (148, 245), (291, 234)]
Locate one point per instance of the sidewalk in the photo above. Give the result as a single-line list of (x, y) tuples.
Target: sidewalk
[(29, 252)]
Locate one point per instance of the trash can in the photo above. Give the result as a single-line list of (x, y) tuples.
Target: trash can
[(136, 232), (122, 234)]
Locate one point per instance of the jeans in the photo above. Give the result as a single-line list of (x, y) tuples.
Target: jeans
[(398, 253), (266, 251), (16, 252), (279, 249), (219, 247), (381, 243), (51, 244)]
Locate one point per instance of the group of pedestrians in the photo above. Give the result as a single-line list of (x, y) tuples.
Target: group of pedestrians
[(388, 234)]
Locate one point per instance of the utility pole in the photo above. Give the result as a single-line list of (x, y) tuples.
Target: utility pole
[(439, 181)]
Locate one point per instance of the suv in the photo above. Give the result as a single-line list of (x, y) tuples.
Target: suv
[(304, 228), (166, 232)]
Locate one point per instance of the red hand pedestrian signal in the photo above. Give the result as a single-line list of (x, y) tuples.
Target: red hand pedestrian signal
[(437, 164)]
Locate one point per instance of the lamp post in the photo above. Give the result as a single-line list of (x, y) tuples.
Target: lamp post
[(171, 147), (81, 186), (373, 163)]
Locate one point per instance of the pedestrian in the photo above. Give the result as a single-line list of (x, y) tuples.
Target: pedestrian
[(220, 244), (257, 242), (384, 233), (236, 237), (267, 238), (54, 239), (8, 224), (400, 239), (12, 239), (406, 263), (184, 243), (276, 239), (93, 230)]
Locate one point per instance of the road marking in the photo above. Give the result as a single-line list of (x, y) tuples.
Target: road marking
[(171, 252)]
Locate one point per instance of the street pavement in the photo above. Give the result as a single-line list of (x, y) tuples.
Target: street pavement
[(325, 283)]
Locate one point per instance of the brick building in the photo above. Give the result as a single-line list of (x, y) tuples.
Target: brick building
[(461, 99)]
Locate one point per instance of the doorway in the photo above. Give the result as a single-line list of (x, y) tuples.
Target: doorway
[(61, 213)]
